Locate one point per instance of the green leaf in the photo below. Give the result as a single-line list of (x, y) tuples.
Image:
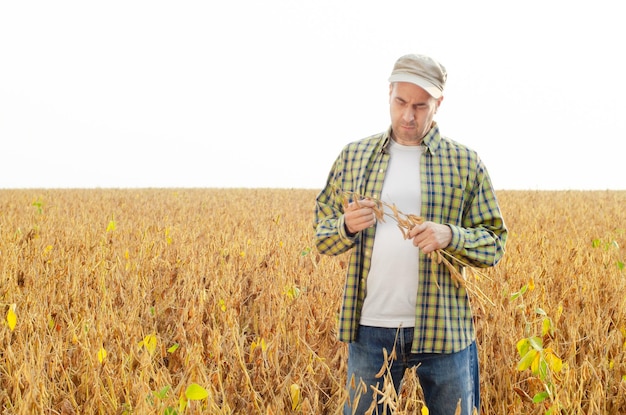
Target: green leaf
[(540, 397), (543, 369), (536, 343), (195, 392), (596, 243), (39, 205), (173, 348), (519, 293), (162, 394), (540, 311)]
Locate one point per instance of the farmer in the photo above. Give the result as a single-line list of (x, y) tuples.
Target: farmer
[(394, 296)]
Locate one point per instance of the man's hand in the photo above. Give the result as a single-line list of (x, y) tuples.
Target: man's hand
[(430, 236), (359, 216)]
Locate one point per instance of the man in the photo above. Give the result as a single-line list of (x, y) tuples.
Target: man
[(395, 299)]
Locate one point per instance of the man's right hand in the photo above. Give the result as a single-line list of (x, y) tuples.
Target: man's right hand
[(359, 216)]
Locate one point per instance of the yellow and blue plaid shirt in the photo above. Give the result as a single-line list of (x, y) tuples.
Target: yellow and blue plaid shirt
[(457, 191)]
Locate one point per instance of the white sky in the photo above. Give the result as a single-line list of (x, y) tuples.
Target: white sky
[(266, 93)]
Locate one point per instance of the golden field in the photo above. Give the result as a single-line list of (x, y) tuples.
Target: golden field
[(188, 301)]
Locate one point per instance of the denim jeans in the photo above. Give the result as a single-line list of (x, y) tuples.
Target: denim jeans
[(444, 378)]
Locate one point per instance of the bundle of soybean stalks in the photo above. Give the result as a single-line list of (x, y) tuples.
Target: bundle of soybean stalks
[(457, 267)]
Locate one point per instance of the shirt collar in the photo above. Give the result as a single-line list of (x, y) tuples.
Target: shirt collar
[(432, 139), (384, 148)]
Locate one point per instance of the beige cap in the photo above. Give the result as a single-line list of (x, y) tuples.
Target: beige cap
[(422, 71)]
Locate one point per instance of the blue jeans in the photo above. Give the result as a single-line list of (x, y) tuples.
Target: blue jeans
[(444, 378)]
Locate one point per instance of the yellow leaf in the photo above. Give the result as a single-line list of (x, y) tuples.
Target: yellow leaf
[(256, 343), (182, 403), (522, 347), (294, 392), (292, 292), (534, 367), (11, 317), (195, 392), (150, 343), (546, 326), (531, 284), (425, 410), (559, 311), (554, 362), (102, 354), (111, 226), (527, 360)]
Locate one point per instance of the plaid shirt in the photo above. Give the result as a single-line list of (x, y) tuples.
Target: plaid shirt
[(456, 190)]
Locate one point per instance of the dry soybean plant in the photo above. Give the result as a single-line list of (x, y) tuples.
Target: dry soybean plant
[(462, 273), (193, 301)]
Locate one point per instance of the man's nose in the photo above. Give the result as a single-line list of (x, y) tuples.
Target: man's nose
[(408, 115)]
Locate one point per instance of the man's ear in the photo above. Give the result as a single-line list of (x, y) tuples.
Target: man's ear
[(439, 101)]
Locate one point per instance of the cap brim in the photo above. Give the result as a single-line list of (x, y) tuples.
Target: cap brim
[(421, 82)]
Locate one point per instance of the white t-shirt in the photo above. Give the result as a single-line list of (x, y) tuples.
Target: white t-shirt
[(392, 281)]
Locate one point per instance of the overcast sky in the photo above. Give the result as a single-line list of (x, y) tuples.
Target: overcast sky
[(266, 93)]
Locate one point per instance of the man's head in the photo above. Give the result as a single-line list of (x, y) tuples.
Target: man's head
[(415, 93)]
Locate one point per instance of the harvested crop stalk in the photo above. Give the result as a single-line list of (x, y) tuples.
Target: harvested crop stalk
[(458, 268)]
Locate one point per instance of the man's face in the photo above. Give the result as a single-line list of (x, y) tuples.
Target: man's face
[(412, 110)]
